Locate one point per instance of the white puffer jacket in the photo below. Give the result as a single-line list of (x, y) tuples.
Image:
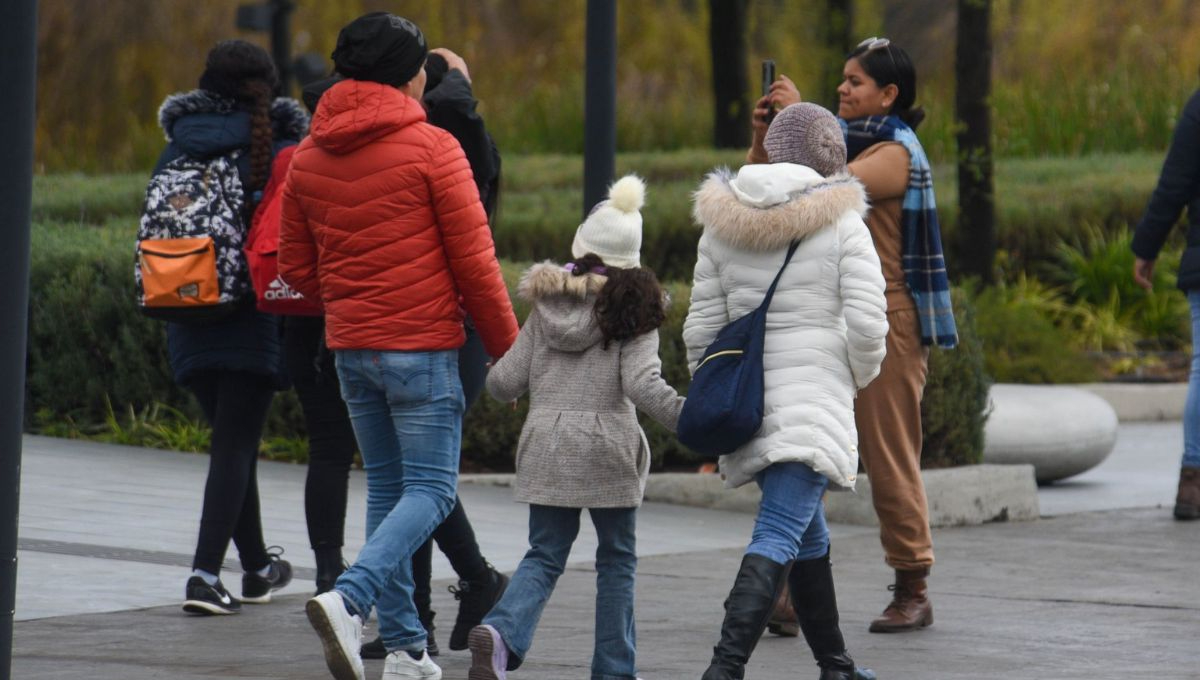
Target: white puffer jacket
[(827, 322)]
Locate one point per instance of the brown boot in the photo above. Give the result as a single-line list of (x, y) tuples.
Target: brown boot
[(783, 619), (1187, 501), (910, 608)]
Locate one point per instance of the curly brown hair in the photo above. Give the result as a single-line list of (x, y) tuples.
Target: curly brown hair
[(630, 303)]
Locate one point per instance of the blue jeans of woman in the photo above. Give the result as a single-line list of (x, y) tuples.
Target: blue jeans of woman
[(791, 519), (406, 408), (552, 531), (1191, 408)]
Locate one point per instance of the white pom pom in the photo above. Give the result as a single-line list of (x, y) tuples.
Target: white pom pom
[(628, 194)]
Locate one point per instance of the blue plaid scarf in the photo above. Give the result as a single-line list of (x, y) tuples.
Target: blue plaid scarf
[(921, 254)]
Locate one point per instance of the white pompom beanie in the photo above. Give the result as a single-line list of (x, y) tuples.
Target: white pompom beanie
[(613, 230)]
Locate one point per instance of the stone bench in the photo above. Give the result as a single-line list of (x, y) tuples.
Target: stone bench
[(1060, 430)]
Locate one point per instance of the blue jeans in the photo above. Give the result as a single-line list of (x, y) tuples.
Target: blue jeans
[(407, 410), (791, 519), (552, 530), (1191, 408)]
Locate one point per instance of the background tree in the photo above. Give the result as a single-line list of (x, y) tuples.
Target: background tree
[(727, 45), (837, 35), (972, 112)]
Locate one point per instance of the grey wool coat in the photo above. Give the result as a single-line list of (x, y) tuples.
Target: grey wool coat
[(581, 446)]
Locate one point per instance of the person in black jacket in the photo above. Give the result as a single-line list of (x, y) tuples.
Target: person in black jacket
[(450, 105), (232, 365), (1179, 187)]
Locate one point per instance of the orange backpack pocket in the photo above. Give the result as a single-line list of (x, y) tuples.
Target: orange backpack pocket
[(178, 272)]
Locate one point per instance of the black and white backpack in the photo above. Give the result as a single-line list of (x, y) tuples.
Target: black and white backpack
[(189, 263)]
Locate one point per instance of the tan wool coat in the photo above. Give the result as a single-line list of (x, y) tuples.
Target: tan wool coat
[(581, 446)]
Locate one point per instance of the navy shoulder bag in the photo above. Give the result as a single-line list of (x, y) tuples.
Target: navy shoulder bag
[(724, 407)]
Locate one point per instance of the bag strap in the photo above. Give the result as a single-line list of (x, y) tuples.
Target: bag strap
[(771, 291)]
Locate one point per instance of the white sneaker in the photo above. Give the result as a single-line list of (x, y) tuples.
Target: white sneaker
[(401, 666), (340, 633)]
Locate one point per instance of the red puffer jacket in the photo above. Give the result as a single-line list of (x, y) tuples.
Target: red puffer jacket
[(382, 220)]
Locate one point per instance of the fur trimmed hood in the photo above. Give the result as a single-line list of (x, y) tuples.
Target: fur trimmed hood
[(546, 279), (288, 117), (765, 207), (563, 305)]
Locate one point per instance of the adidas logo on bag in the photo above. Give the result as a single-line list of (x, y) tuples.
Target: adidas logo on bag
[(279, 290)]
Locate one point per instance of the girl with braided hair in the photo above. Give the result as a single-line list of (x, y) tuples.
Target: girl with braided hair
[(233, 364)]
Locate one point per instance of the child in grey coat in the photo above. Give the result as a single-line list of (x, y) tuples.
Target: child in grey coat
[(588, 355)]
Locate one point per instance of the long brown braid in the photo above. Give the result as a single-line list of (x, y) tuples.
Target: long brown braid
[(258, 93)]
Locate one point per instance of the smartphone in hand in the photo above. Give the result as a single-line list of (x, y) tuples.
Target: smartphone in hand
[(768, 77)]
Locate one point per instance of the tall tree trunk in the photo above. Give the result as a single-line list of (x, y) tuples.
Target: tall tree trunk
[(837, 37), (976, 196), (727, 45)]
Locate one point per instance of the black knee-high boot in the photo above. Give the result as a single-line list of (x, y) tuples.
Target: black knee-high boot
[(746, 612), (813, 596)]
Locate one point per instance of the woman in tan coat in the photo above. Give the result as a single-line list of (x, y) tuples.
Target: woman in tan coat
[(876, 106)]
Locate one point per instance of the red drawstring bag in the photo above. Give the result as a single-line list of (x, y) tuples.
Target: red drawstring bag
[(273, 295)]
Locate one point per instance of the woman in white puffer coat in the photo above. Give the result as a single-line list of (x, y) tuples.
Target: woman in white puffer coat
[(824, 341)]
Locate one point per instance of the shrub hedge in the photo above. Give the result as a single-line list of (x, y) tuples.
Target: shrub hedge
[(88, 346)]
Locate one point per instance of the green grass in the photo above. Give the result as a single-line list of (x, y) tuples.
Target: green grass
[(1039, 202)]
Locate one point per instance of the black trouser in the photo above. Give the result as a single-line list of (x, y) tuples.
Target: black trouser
[(235, 404), (331, 443), (454, 536), (332, 446)]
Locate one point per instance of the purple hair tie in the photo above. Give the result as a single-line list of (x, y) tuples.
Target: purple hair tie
[(570, 267)]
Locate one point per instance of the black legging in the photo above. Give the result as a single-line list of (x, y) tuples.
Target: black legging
[(331, 443), (332, 446), (235, 404)]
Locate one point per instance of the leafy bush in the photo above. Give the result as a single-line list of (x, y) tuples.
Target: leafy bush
[(954, 408), (1111, 311), (1020, 340)]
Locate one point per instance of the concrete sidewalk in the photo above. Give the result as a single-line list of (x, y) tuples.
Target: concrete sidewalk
[(1086, 592)]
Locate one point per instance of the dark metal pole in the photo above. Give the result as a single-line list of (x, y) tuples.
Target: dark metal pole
[(18, 32), (973, 111), (600, 102), (281, 42)]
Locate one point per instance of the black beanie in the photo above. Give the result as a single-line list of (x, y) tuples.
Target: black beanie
[(380, 47), (311, 94), (231, 63)]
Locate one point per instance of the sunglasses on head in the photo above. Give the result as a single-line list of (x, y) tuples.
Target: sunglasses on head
[(871, 44)]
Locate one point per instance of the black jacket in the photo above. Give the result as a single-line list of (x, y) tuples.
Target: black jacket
[(202, 125), (1178, 186), (451, 106)]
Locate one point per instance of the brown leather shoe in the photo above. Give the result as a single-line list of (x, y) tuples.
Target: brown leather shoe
[(783, 619), (1187, 501), (910, 608)]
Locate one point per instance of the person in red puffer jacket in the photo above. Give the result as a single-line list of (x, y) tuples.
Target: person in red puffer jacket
[(382, 221)]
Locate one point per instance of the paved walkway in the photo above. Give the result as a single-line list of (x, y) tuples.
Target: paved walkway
[(1102, 587)]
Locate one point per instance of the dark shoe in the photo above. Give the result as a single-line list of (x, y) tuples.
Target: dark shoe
[(856, 674), (746, 612), (475, 600), (1187, 501), (783, 619), (910, 608), (814, 600), (257, 589), (330, 566), (375, 649), (202, 598)]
